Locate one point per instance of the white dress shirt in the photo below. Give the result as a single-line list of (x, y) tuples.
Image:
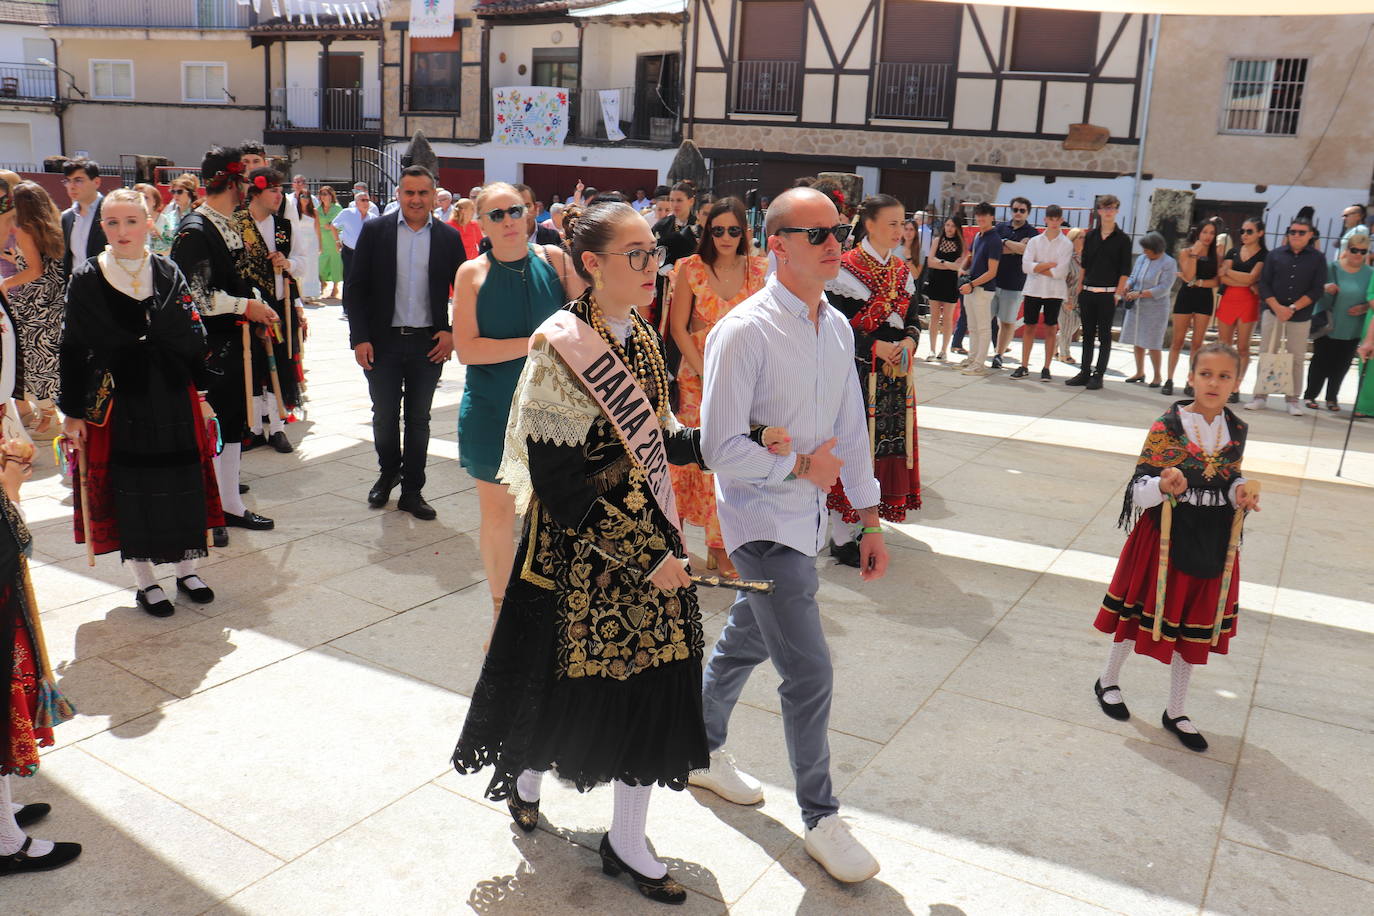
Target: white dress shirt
[(1041, 249), (767, 364), (81, 230)]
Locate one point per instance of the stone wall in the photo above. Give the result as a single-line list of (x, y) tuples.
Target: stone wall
[(468, 125)]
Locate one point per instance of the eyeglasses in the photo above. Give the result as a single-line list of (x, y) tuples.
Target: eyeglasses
[(639, 257), (719, 231), (515, 212), (816, 235), (1248, 232), (1360, 251), (1019, 210), (177, 192), (1298, 231)]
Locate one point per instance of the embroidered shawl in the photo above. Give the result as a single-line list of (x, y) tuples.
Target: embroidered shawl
[(1209, 475)]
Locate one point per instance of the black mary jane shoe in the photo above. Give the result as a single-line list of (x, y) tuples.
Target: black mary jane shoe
[(1117, 711), (202, 595), (525, 814), (21, 861), (661, 890), (1191, 740), (250, 520), (32, 814), (1168, 388), (846, 554), (161, 608)]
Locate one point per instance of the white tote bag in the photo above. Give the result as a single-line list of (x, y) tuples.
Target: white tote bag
[(1275, 375)]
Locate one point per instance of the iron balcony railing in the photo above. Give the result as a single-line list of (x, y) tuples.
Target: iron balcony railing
[(27, 81), (917, 92), (643, 115), (345, 110), (768, 87), (156, 14)]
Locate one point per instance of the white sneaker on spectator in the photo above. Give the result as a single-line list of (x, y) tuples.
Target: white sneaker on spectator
[(1295, 408), (832, 845), (1257, 403), (976, 370), (728, 782)]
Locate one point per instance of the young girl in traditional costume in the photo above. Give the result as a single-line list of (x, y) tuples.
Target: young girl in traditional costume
[(133, 356), (875, 291), (1183, 506)]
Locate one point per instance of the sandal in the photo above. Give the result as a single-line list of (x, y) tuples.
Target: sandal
[(1135, 380), (1333, 407), (1311, 403)]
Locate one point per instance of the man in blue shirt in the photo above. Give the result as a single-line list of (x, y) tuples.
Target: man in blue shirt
[(1011, 279), (350, 221), (979, 286)]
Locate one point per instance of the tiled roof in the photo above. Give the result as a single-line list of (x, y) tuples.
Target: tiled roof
[(28, 12), (529, 7)]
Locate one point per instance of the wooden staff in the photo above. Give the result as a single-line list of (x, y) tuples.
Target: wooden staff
[(83, 472), (872, 406), (1252, 488), (272, 368), (247, 374), (760, 586), (1166, 524), (910, 414)]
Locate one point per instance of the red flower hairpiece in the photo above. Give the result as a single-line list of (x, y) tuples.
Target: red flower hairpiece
[(260, 182), (839, 195), (234, 167)]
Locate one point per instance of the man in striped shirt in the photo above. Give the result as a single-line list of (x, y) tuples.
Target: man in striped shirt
[(785, 357)]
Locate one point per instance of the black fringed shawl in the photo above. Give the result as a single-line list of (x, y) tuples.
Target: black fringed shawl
[(1203, 512)]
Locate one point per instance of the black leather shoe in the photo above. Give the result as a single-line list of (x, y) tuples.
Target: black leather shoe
[(660, 890), (250, 520), (1094, 382), (161, 608), (1168, 388), (846, 554), (220, 536), (279, 442), (253, 441), (32, 814), (202, 595), (1079, 380), (381, 490), (1191, 740), (243, 488), (415, 504), (1117, 711), (525, 814), (21, 861)]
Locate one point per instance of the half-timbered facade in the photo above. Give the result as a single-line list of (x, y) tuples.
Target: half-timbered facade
[(929, 100)]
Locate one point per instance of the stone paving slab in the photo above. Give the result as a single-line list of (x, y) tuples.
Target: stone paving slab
[(285, 749)]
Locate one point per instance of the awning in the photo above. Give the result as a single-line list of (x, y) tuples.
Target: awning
[(633, 8)]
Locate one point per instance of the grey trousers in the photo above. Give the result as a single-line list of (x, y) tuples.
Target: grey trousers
[(786, 628)]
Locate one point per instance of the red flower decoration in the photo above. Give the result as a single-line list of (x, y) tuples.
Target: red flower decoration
[(839, 195), (234, 167), (260, 182)]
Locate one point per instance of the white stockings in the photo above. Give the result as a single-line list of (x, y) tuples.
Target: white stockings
[(1180, 672), (1111, 674), (12, 836), (627, 829), (527, 785), (227, 473)]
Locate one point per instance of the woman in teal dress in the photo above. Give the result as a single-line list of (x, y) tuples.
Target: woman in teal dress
[(331, 262), (498, 301)]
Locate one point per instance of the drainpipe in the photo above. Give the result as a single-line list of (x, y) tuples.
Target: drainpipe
[(59, 105), (684, 129), (1144, 123)]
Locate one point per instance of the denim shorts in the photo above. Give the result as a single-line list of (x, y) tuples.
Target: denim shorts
[(1005, 305)]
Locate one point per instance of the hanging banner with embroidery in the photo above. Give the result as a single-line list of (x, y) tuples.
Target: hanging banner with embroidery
[(431, 18), (530, 115), (610, 113)]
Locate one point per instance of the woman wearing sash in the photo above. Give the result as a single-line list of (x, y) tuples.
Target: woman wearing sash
[(498, 301), (595, 663), (875, 292), (132, 356)]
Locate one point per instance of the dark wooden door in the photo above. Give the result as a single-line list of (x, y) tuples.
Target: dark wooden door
[(658, 96), (909, 186), (341, 99)]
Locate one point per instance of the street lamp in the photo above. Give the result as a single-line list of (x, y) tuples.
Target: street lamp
[(70, 76)]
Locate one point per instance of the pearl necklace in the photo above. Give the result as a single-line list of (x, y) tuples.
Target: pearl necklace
[(647, 364)]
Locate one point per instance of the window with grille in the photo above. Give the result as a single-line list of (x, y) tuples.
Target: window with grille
[(1264, 96), (771, 46), (112, 79), (203, 82)]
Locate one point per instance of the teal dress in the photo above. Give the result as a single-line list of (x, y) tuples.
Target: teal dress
[(515, 298)]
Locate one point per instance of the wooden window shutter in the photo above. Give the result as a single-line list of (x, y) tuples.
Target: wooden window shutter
[(920, 32), (772, 29), (1054, 41)]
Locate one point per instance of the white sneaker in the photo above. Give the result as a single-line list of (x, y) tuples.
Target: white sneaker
[(727, 782), (1255, 404), (976, 370), (832, 845), (1295, 409)]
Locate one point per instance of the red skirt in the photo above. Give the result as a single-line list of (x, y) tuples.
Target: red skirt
[(1190, 604), (25, 737)]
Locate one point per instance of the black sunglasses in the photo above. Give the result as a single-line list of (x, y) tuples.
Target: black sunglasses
[(1019, 210), (719, 231), (1353, 250), (817, 234), (515, 212), (1248, 232), (1298, 231)]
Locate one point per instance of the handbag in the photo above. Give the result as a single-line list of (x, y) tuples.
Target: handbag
[(1275, 374), (1321, 320)]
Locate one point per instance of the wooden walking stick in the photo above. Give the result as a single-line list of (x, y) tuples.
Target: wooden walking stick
[(272, 331), (84, 472), (1252, 488), (247, 374), (910, 414), (1166, 524)]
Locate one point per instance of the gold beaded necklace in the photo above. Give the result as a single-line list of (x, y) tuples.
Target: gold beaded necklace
[(647, 363), (132, 274)]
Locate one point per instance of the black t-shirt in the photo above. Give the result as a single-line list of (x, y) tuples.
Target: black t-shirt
[(1106, 261)]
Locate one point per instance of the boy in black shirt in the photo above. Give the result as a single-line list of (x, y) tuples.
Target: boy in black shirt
[(1106, 268)]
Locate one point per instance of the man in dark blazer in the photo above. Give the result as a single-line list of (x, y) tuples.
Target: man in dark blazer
[(82, 218), (396, 297)]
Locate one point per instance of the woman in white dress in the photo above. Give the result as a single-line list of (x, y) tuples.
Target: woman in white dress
[(301, 206)]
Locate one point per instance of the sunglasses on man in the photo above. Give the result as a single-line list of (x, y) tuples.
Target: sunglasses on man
[(720, 231), (1298, 231), (817, 234), (498, 215)]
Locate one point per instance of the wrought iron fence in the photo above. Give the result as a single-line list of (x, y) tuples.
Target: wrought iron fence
[(767, 86), (351, 110), (918, 92), (27, 81), (640, 117)]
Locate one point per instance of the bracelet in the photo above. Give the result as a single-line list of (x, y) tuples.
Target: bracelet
[(871, 529)]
